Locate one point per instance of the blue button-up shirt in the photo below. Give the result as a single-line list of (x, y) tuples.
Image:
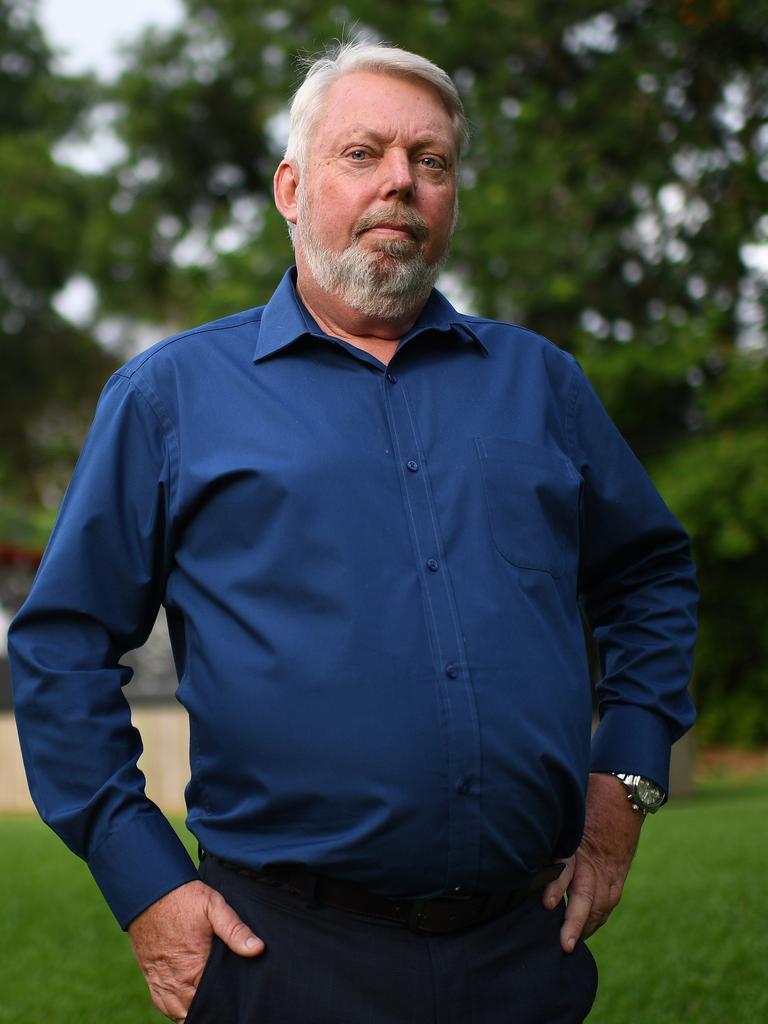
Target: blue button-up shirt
[(374, 579)]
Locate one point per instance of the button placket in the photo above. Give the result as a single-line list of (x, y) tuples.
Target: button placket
[(454, 692)]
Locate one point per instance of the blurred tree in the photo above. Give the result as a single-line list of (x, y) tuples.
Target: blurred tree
[(52, 371), (614, 199)]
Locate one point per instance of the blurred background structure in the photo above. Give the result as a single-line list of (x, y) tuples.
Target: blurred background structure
[(615, 199)]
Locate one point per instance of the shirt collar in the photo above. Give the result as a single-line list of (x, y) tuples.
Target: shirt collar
[(285, 319)]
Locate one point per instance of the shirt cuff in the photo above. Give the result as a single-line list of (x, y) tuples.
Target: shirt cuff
[(138, 863), (633, 740)]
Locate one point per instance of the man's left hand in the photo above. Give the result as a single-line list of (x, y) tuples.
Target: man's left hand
[(594, 876)]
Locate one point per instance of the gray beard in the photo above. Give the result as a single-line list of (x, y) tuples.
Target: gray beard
[(389, 282)]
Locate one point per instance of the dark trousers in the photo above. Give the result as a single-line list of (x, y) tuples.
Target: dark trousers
[(328, 966)]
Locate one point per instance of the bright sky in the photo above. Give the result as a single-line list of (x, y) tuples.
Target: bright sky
[(89, 31)]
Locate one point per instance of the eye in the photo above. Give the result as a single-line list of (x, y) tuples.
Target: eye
[(432, 163), (358, 155)]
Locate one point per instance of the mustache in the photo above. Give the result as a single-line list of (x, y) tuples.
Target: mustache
[(404, 219)]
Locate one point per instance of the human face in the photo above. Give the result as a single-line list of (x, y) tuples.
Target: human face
[(376, 206)]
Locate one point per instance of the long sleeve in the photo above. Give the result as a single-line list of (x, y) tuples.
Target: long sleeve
[(638, 589), (95, 597)]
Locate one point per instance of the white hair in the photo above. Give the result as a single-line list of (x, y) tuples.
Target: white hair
[(307, 103), (389, 282)]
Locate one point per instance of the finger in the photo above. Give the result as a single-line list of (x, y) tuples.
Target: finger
[(583, 903), (605, 901), (172, 1005), (554, 892), (594, 921), (576, 916), (232, 931)]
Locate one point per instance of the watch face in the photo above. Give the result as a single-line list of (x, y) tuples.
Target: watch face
[(649, 794)]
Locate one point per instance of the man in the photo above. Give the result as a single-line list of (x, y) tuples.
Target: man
[(374, 523)]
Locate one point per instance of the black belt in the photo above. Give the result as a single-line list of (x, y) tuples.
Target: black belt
[(438, 914)]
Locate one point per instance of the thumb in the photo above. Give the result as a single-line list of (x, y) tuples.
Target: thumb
[(232, 931)]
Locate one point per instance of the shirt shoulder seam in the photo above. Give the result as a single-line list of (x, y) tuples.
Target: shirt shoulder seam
[(480, 320), (153, 402), (132, 368), (571, 411)]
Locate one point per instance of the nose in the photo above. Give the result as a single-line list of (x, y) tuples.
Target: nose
[(397, 177)]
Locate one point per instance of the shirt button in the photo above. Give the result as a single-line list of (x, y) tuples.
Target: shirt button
[(432, 565), (412, 465), (392, 378), (452, 671)]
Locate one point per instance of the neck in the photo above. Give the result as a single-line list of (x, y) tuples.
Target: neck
[(374, 334)]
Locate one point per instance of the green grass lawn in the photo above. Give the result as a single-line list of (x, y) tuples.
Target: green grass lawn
[(689, 942)]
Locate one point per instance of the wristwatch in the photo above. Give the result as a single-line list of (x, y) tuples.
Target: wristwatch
[(644, 795)]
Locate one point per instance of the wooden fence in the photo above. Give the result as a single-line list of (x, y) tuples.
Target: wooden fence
[(165, 760)]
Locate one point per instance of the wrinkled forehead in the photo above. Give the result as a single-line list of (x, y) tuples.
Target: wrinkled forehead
[(385, 106)]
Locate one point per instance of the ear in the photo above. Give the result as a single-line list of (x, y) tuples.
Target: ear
[(286, 190)]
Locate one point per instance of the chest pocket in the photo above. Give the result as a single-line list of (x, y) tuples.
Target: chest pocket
[(533, 504)]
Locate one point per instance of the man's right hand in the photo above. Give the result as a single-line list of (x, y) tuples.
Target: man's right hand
[(172, 941)]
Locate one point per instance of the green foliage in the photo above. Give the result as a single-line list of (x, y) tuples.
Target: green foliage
[(716, 481), (51, 371), (614, 185)]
